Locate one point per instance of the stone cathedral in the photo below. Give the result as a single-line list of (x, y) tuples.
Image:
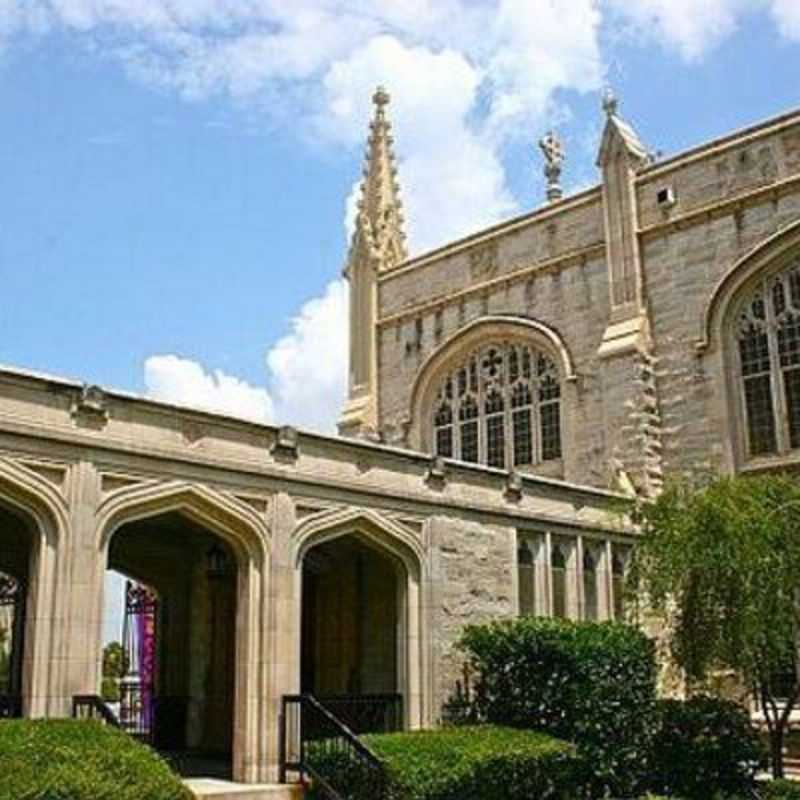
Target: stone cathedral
[(646, 325), (505, 391)]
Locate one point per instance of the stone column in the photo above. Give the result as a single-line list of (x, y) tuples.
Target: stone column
[(80, 598), (284, 626)]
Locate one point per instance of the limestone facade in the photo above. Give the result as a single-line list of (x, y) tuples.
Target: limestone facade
[(633, 288), (92, 478)]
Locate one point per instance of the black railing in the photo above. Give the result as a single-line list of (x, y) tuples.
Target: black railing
[(10, 706), (136, 710), (317, 746), (92, 706), (367, 713)]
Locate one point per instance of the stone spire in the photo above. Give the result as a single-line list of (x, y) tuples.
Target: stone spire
[(380, 217), (378, 245)]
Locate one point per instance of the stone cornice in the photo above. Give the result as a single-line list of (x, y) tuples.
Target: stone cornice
[(721, 208), (714, 147), (298, 483), (557, 208), (352, 449), (548, 265)]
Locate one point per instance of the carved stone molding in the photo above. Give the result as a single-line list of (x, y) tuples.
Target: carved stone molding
[(285, 447), (436, 476), (513, 491), (90, 408), (483, 260)]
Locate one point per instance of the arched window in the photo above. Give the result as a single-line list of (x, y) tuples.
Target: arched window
[(506, 399), (768, 350)]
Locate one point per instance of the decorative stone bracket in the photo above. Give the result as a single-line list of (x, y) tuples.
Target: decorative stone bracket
[(436, 476), (90, 408), (285, 447), (513, 490)]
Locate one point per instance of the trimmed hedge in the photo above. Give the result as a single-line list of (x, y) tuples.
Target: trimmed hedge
[(701, 743), (80, 760), (466, 763), (590, 683), (780, 790)]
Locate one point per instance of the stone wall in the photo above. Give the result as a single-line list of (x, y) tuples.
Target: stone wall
[(730, 196), (79, 465)]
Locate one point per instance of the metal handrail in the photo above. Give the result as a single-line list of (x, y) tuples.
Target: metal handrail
[(92, 706), (312, 727)]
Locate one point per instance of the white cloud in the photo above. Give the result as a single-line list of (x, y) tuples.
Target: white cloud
[(308, 367), (691, 27), (451, 176), (466, 78), (787, 16), (184, 382), (694, 28), (307, 372)]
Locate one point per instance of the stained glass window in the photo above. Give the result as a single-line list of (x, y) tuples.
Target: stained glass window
[(768, 345), (506, 399)]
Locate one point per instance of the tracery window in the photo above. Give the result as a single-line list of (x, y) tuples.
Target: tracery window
[(768, 344), (501, 407)]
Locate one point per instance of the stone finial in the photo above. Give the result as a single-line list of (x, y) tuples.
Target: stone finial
[(610, 102), (381, 98), (553, 150)]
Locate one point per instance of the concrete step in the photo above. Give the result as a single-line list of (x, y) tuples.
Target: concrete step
[(212, 789)]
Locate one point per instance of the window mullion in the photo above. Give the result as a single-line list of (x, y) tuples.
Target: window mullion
[(776, 376)]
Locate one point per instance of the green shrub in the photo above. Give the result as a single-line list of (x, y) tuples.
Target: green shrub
[(78, 760), (781, 790), (465, 763), (704, 744), (591, 683)]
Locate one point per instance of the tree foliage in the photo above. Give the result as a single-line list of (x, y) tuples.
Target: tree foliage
[(720, 562)]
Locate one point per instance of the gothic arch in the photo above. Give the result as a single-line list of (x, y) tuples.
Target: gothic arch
[(35, 497), (248, 536), (384, 533), (45, 509), (460, 344), (398, 541), (235, 522), (768, 255)]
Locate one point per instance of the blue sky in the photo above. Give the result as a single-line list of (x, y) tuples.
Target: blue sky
[(176, 175)]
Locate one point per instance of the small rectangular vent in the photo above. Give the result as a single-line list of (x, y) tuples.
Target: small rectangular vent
[(665, 197)]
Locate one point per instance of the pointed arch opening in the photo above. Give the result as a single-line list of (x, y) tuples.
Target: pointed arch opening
[(359, 620), (33, 521), (190, 624)]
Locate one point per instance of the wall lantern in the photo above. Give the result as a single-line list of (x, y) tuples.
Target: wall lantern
[(216, 562)]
